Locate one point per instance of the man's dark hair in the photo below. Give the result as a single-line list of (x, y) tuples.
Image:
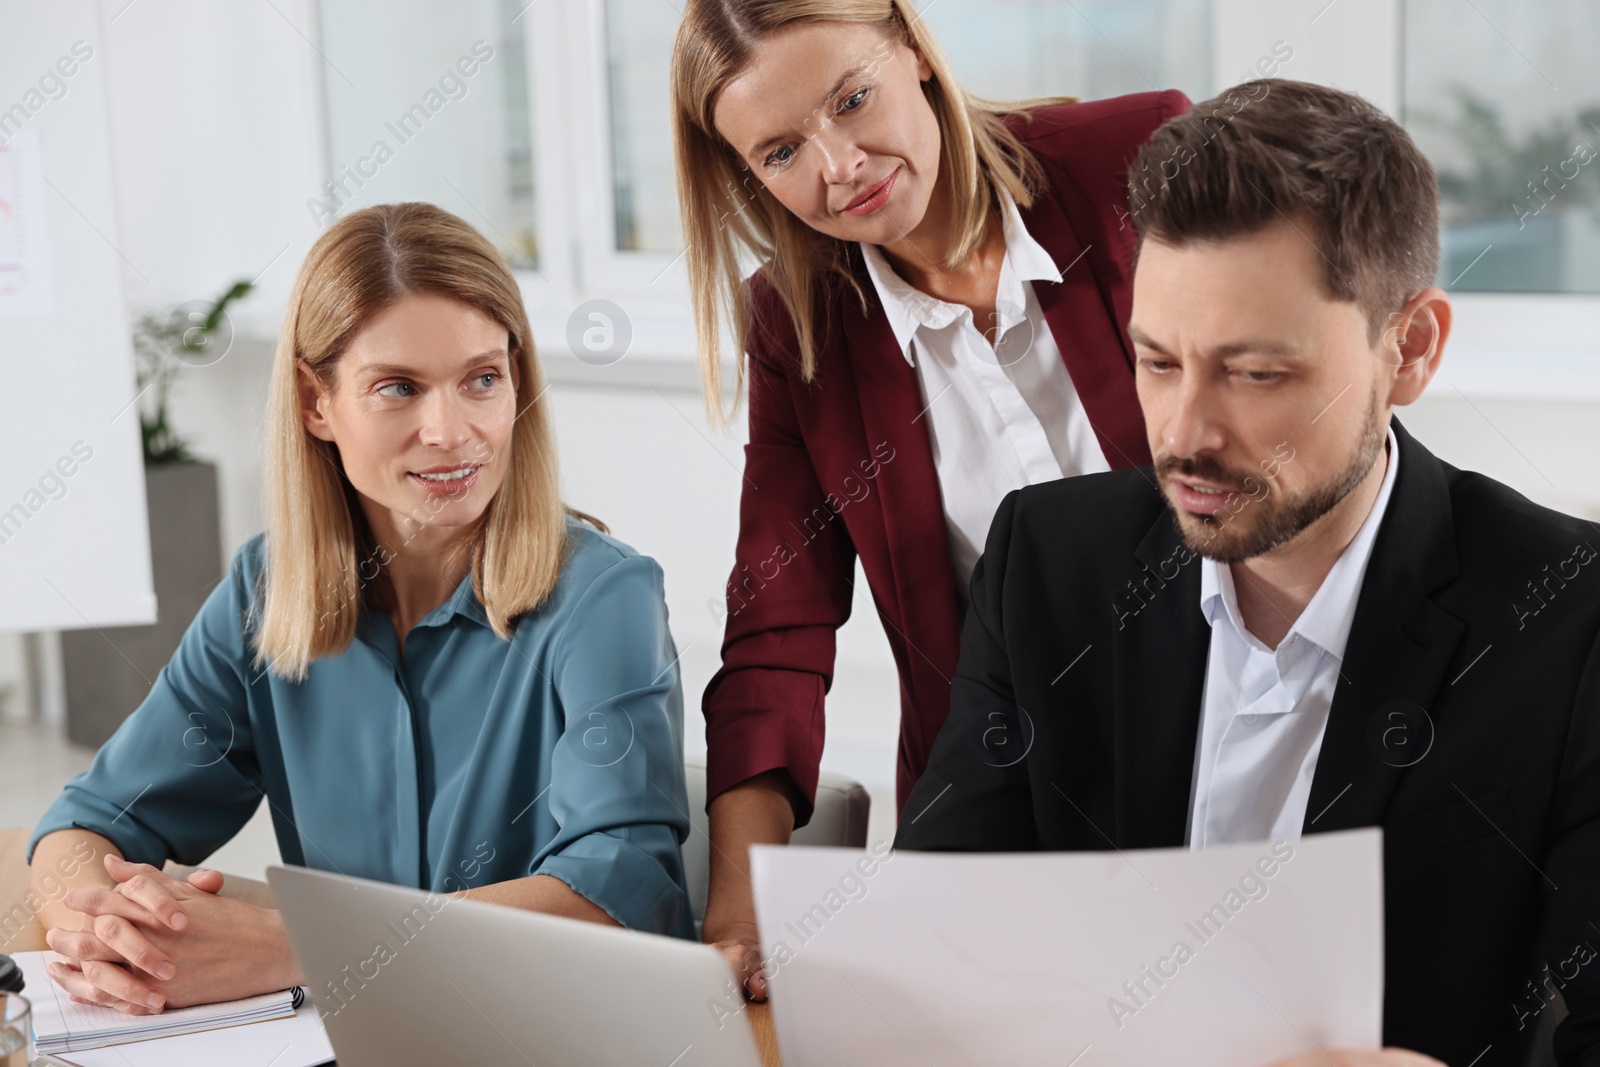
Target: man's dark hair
[(1341, 171)]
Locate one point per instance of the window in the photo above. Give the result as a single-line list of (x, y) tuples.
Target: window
[(1502, 97), (1017, 49), (639, 37), (559, 146), (432, 103)]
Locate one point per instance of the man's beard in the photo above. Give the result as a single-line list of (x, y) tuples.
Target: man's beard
[(1264, 523)]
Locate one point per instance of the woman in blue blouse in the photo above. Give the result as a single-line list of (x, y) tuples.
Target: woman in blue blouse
[(435, 673)]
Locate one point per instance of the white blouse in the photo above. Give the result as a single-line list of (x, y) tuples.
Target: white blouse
[(998, 417)]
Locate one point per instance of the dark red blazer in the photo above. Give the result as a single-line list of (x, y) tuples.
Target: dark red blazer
[(843, 467)]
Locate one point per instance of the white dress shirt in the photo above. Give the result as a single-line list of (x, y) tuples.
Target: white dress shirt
[(998, 417), (1264, 711)]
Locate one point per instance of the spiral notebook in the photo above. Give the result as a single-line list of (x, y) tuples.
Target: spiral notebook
[(59, 1025)]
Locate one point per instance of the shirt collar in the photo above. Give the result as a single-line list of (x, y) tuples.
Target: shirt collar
[(463, 602), (909, 308), (1326, 620)]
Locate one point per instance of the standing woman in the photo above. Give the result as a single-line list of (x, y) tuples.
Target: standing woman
[(938, 319)]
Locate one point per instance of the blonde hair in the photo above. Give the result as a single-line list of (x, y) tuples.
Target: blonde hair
[(318, 540), (978, 155)]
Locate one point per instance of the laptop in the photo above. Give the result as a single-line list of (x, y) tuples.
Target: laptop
[(403, 976)]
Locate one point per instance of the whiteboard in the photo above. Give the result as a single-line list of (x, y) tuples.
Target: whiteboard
[(74, 540)]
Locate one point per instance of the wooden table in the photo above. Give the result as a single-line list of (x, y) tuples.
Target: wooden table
[(20, 930)]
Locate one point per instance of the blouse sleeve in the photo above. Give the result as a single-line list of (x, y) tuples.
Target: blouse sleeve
[(617, 788), (179, 777)]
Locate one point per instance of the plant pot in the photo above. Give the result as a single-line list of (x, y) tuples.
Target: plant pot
[(109, 671)]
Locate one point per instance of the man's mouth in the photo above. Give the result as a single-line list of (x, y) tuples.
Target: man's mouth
[(1201, 498)]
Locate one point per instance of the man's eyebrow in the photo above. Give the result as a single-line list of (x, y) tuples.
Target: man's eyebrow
[(1139, 337), (380, 369), (1232, 348), (846, 76)]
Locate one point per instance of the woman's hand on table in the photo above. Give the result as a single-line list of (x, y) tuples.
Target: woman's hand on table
[(154, 942), (757, 811), (740, 945)]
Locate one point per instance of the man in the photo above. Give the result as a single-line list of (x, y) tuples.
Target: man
[(1298, 619)]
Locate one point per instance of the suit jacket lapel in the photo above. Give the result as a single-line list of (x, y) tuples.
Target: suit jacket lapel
[(1401, 645), (1159, 658), (1092, 343)]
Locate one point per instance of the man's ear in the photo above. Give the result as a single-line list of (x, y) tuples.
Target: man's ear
[(1414, 343), (313, 402)]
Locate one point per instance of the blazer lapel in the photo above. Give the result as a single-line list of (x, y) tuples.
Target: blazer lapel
[(1159, 658), (1401, 645), (908, 486), (1084, 324)]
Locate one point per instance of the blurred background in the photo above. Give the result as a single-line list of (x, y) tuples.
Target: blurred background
[(202, 144)]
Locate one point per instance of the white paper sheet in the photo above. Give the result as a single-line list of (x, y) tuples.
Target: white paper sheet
[(295, 1042), (1229, 957)]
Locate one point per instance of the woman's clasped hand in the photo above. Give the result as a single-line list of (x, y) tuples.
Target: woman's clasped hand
[(152, 942)]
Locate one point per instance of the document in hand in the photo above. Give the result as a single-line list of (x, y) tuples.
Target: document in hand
[(1236, 956)]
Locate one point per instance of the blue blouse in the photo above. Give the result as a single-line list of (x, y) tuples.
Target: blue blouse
[(473, 761)]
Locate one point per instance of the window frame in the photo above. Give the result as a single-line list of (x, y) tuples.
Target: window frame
[(1503, 344)]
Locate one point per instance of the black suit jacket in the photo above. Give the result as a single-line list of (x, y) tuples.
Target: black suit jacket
[(1464, 723)]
